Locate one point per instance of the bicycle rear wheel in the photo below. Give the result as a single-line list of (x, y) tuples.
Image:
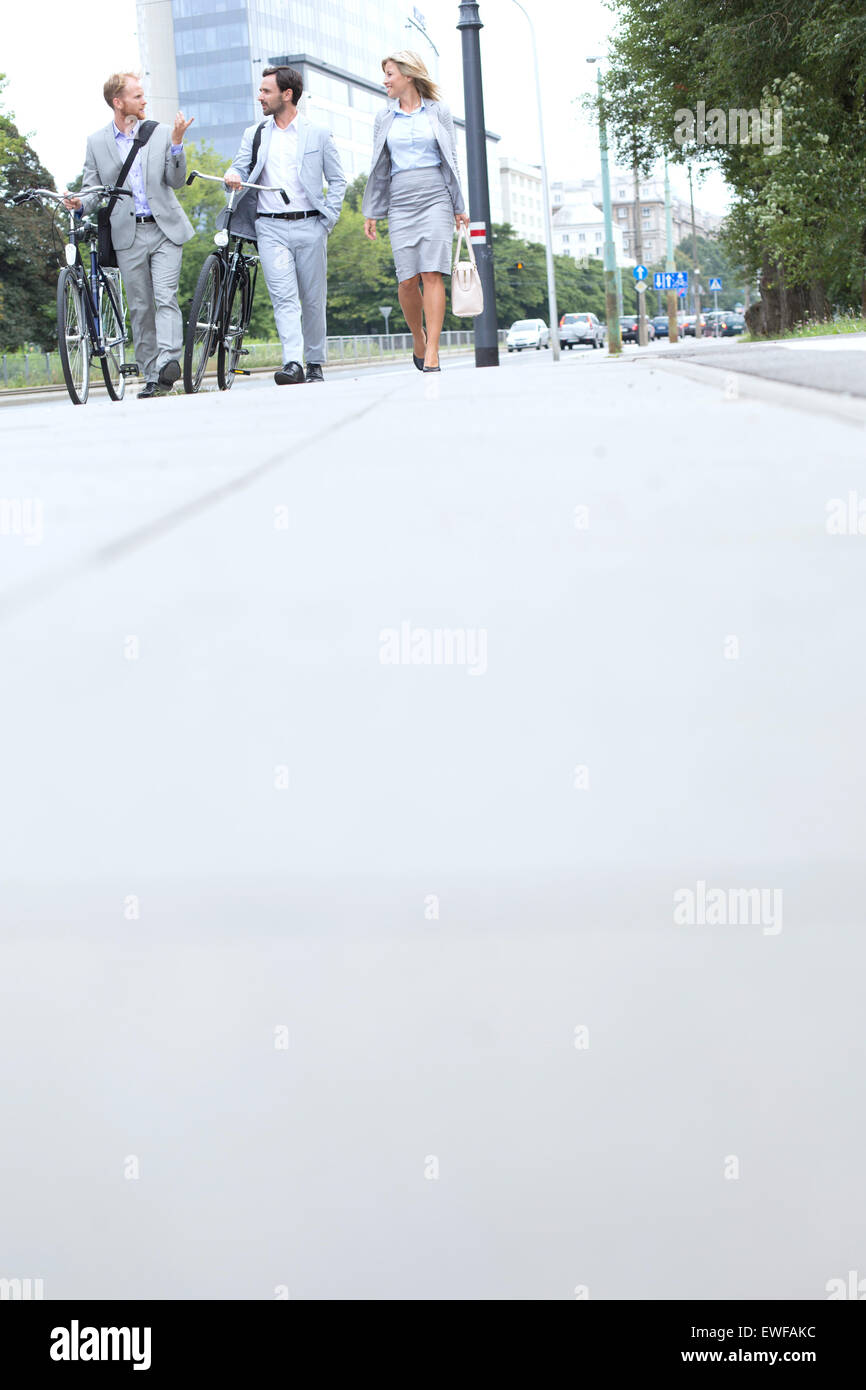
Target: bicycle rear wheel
[(73, 336), (113, 319), (237, 317), (202, 326)]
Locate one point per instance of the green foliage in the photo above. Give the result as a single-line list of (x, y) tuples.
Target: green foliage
[(522, 294), (28, 261), (800, 213)]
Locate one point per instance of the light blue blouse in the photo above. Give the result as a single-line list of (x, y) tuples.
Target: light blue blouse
[(411, 141)]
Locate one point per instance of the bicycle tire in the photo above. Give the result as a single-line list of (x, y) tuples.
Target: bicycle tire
[(113, 325), (201, 327), (73, 336), (236, 321)]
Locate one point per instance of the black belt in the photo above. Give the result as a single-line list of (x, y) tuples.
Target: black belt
[(144, 217), (290, 216)]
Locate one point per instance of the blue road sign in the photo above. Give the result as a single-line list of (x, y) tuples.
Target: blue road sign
[(640, 272), (670, 279), (715, 284)]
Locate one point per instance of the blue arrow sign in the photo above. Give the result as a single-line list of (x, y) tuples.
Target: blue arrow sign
[(670, 279), (715, 283), (640, 272)]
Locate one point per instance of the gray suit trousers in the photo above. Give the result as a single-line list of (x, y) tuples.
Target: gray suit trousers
[(294, 257), (151, 271)]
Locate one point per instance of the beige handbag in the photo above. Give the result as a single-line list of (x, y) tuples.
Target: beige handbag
[(467, 295)]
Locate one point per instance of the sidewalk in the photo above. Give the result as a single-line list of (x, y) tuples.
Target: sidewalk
[(369, 956)]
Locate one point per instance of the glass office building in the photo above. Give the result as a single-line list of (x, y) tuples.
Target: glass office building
[(206, 58), (221, 46)]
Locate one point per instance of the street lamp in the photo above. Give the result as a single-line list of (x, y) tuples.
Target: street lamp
[(545, 193), (611, 273)]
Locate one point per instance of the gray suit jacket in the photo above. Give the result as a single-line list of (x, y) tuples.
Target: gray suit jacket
[(377, 194), (163, 173), (318, 162)]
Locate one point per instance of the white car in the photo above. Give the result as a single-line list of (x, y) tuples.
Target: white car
[(527, 333)]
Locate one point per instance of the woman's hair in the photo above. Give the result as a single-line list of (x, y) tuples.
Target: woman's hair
[(412, 66)]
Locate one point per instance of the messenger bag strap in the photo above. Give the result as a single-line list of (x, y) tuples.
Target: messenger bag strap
[(145, 130)]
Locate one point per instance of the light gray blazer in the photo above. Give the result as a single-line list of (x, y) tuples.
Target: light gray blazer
[(318, 162), (163, 173), (377, 194)]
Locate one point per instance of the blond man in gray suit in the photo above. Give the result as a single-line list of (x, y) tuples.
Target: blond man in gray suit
[(148, 230)]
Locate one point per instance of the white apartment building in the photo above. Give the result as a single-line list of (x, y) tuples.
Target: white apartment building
[(652, 213), (578, 231), (522, 198)]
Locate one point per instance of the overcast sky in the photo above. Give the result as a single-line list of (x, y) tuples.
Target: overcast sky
[(103, 39)]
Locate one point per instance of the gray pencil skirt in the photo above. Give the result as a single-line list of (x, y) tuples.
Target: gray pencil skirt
[(420, 222)]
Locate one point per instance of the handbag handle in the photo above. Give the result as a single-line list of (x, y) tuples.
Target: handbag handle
[(464, 237)]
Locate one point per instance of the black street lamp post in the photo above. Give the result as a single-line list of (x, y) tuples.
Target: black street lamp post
[(486, 342)]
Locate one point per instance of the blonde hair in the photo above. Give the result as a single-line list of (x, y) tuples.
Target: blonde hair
[(411, 65), (115, 85)]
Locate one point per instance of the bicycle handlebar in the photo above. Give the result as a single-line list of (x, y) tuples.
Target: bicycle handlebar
[(218, 178), (104, 188)]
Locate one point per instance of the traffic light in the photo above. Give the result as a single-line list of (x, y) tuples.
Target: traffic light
[(519, 265)]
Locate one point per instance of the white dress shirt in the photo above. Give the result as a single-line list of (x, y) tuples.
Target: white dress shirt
[(281, 171)]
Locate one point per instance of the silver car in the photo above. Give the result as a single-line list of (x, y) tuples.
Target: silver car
[(527, 333), (581, 329)]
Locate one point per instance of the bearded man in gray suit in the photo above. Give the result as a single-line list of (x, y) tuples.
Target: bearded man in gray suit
[(287, 152), (148, 229)]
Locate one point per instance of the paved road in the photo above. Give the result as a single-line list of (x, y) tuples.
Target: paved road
[(244, 795)]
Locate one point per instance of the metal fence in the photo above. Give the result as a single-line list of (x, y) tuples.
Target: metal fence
[(22, 369)]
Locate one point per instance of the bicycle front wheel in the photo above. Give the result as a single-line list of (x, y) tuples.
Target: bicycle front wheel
[(202, 326), (237, 317), (113, 321), (73, 336)]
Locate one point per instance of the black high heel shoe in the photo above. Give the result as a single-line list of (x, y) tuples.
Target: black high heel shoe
[(430, 369), (419, 361)]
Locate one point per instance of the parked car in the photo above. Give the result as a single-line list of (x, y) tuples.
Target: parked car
[(577, 329), (527, 333), (629, 328)]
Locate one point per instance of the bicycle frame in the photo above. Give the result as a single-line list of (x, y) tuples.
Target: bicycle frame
[(232, 258), (80, 229)]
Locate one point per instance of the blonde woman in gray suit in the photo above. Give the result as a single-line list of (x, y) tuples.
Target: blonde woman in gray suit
[(415, 182)]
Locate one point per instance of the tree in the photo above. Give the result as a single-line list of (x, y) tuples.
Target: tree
[(800, 213), (28, 258)]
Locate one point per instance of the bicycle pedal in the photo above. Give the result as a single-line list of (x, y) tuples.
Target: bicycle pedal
[(129, 369), (242, 371), (243, 352)]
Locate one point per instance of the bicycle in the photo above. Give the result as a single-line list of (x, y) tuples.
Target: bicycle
[(91, 312), (222, 302)]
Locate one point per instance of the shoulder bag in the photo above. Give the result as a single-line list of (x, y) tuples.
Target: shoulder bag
[(467, 295), (104, 247)]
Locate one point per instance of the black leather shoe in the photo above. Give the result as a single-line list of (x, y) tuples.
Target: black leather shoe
[(150, 392), (314, 371), (292, 374), (169, 373), (431, 369)]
